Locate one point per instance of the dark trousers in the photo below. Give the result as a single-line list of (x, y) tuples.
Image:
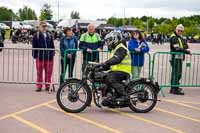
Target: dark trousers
[(176, 72), (69, 63), (114, 80), (3, 36), (1, 45)]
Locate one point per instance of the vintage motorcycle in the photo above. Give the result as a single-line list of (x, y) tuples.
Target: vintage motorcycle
[(76, 95)]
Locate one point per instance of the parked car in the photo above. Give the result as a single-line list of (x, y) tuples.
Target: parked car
[(21, 25), (4, 26)]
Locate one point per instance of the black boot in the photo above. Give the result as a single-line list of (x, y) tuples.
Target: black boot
[(172, 90), (38, 90), (177, 91), (123, 96), (47, 89)]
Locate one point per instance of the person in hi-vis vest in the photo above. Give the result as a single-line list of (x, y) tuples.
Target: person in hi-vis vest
[(91, 44), (119, 64), (177, 44)]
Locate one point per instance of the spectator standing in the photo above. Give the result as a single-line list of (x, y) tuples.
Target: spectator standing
[(11, 33), (76, 29), (89, 42), (44, 58), (177, 44), (1, 42), (138, 47), (69, 41), (3, 34)]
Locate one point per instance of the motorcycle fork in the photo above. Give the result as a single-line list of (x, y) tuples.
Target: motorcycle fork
[(95, 96)]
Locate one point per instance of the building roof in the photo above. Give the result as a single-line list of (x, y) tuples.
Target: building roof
[(71, 22), (128, 28), (106, 26)]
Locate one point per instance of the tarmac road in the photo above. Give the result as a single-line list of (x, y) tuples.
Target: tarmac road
[(24, 111)]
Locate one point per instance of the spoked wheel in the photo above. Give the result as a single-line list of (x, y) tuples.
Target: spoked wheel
[(73, 96), (143, 97)]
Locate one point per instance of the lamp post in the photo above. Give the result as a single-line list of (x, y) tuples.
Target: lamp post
[(124, 16), (58, 10)]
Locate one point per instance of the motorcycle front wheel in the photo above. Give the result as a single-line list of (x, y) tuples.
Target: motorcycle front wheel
[(74, 96)]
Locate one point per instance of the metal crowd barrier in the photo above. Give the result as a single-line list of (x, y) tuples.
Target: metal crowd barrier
[(79, 62), (103, 56), (189, 73), (18, 66)]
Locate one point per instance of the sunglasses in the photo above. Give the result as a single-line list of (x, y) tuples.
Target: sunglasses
[(44, 25), (180, 31)]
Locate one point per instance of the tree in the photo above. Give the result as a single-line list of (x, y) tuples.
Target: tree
[(75, 15), (27, 14), (138, 23), (190, 31), (163, 28), (7, 14), (112, 21), (161, 20), (151, 23), (144, 18), (161, 25), (46, 13), (115, 21), (120, 22)]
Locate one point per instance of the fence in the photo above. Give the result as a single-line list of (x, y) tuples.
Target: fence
[(166, 70), (18, 66), (101, 57)]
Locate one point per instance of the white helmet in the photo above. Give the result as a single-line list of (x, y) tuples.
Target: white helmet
[(113, 38)]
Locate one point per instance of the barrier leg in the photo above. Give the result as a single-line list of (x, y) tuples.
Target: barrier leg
[(162, 92), (52, 88)]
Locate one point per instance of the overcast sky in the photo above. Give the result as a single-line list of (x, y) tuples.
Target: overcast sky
[(93, 9)]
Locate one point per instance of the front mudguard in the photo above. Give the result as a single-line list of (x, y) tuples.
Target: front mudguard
[(83, 83)]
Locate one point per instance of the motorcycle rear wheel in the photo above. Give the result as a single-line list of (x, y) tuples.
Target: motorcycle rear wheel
[(145, 100)]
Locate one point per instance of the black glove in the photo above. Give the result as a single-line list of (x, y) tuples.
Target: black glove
[(98, 68), (105, 66), (101, 67)]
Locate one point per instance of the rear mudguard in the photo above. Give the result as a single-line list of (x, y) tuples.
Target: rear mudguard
[(148, 81)]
